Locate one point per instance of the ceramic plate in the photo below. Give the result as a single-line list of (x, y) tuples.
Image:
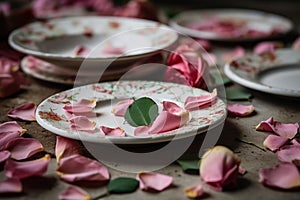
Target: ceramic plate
[(276, 73), (52, 117), (231, 24), (104, 39)]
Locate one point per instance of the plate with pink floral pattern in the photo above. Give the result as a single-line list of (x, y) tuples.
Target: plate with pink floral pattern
[(96, 119)]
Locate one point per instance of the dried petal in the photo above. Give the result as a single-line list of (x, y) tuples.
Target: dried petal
[(284, 176), (274, 142), (290, 153), (238, 52), (82, 123), (121, 107), (82, 106), (65, 147), (296, 44), (4, 155), (195, 191), (74, 193), (79, 168), (154, 181), (197, 102), (240, 110), (20, 170), (24, 112), (6, 137), (108, 131), (266, 47), (11, 126), (219, 168), (11, 185), (266, 125)]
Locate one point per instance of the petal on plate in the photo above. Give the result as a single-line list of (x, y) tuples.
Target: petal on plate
[(154, 181), (108, 131), (25, 112), (20, 170), (121, 107), (274, 142), (195, 191), (266, 47), (198, 102), (74, 193), (66, 147), (296, 44), (141, 130), (283, 176), (22, 148), (219, 168), (81, 50), (11, 185), (236, 53), (240, 110), (79, 168), (82, 123), (11, 126), (6, 137), (4, 155), (82, 106), (289, 153), (113, 50)]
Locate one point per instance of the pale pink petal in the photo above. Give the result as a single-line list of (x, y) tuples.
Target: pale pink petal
[(266, 125), (108, 131), (274, 142), (289, 153), (154, 181), (11, 126), (121, 107), (20, 170), (79, 168), (11, 185), (66, 147), (6, 137), (295, 142), (240, 110), (22, 148), (236, 53), (25, 112), (113, 50), (172, 108), (4, 155), (296, 44), (81, 50), (82, 106), (197, 102), (266, 47), (219, 168), (195, 191), (82, 123), (74, 193), (284, 176), (141, 130)]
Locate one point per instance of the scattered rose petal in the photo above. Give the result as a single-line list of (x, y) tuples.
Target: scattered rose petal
[(74, 193), (6, 137), (289, 153), (240, 110), (82, 106), (4, 155), (274, 142), (81, 50), (11, 126), (238, 52), (154, 181), (219, 168), (242, 170), (79, 168), (266, 47), (65, 147), (284, 176), (296, 44), (197, 102), (82, 123), (108, 131), (121, 107), (11, 185), (24, 112), (195, 191), (20, 170)]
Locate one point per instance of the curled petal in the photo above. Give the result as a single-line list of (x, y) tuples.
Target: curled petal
[(11, 185), (4, 155), (240, 110), (81, 50), (284, 176), (24, 112), (82, 106), (195, 191), (238, 52), (79, 168), (74, 192), (274, 142), (172, 108), (11, 126), (290, 153), (266, 47), (197, 102), (107, 131), (265, 125), (82, 123), (65, 147), (121, 107), (20, 170), (296, 43), (6, 137), (219, 168), (154, 181)]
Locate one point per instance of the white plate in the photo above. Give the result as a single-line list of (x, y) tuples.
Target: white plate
[(200, 120), (248, 20), (56, 39), (276, 73)]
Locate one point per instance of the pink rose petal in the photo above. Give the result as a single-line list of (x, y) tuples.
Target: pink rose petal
[(108, 131), (289, 153), (296, 44), (195, 191), (121, 107), (82, 123), (25, 112), (11, 185), (172, 108), (79, 168), (11, 126), (4, 155), (81, 50), (113, 50), (240, 110), (266, 47), (274, 142), (74, 193), (6, 137), (238, 52), (66, 147), (219, 168), (284, 176), (266, 125), (197, 102), (20, 170), (82, 106), (154, 181)]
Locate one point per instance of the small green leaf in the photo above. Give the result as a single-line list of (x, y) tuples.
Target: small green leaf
[(237, 94), (141, 112), (189, 166), (122, 185)]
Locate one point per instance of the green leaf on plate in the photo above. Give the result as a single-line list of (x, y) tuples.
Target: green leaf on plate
[(141, 112), (189, 166), (237, 94), (122, 185)]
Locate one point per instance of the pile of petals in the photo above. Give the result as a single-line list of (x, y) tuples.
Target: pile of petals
[(15, 152)]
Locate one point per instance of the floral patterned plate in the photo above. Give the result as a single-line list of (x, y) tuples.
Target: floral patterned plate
[(275, 73), (51, 116)]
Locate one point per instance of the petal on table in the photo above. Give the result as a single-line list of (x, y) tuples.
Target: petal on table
[(198, 102), (25, 112), (108, 131), (6, 137), (20, 170), (266, 125), (290, 153), (82, 106), (274, 142), (82, 123), (266, 47), (240, 110), (195, 191), (74, 193), (80, 168), (219, 168), (296, 43), (11, 126), (154, 181), (236, 53), (66, 147), (283, 176), (4, 155), (11, 185), (121, 107)]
